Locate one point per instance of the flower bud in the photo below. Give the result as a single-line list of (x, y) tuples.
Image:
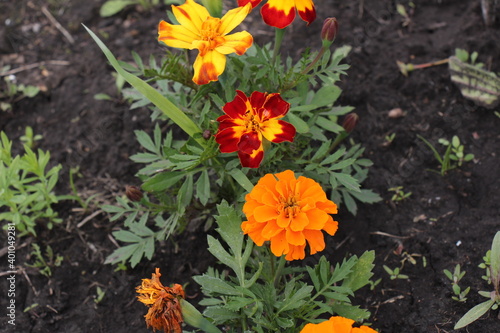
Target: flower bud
[(207, 134), (350, 122), (329, 31), (133, 193)]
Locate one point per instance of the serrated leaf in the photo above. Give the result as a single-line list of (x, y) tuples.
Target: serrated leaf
[(361, 272), (348, 181), (299, 124), (326, 95), (145, 141)]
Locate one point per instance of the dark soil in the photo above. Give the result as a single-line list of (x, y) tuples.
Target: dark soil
[(447, 220)]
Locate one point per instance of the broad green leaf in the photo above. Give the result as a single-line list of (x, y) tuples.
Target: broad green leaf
[(326, 95), (194, 318), (210, 285), (299, 124), (203, 187), (166, 106), (361, 272), (474, 314), (495, 258)]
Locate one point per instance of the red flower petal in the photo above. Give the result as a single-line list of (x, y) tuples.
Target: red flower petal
[(249, 142), (228, 140), (276, 17), (237, 107), (276, 105), (251, 161), (254, 3)]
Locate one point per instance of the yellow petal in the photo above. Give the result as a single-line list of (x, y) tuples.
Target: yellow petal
[(238, 43), (233, 18), (208, 67), (176, 35), (191, 15)]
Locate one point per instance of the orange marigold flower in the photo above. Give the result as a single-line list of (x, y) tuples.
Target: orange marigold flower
[(281, 13), (164, 306), (210, 35), (336, 325), (249, 120), (289, 213)]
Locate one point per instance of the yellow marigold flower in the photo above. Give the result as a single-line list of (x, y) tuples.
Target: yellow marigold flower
[(336, 325), (290, 213), (164, 306), (199, 30)]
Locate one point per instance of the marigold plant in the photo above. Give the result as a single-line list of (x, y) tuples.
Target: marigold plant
[(248, 121), (281, 13), (199, 30), (290, 213), (164, 304), (336, 325)]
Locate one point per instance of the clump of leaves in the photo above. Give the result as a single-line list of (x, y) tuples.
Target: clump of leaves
[(14, 92), (455, 277), (26, 188), (262, 294)]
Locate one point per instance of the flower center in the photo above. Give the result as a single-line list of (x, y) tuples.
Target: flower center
[(209, 29), (289, 206)]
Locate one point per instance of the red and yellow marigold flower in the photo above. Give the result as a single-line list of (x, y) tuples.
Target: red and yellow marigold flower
[(199, 30), (336, 325), (290, 213), (281, 13), (164, 304), (250, 120)]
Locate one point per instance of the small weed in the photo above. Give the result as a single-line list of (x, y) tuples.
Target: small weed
[(453, 157), (455, 277), (44, 264), (395, 273), (399, 194), (99, 296)]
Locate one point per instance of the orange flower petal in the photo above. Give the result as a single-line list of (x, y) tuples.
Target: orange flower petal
[(207, 68), (288, 214)]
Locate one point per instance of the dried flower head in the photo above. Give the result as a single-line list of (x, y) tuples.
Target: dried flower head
[(336, 325), (164, 306), (290, 213), (133, 193)]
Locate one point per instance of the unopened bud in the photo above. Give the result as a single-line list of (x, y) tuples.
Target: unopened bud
[(329, 31), (207, 134), (133, 193), (350, 122)]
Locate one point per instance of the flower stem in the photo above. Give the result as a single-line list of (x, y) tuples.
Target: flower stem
[(313, 63), (278, 39)]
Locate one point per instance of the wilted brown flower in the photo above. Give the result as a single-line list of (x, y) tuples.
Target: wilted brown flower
[(164, 304)]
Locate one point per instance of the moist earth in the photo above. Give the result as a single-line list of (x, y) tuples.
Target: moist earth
[(447, 220)]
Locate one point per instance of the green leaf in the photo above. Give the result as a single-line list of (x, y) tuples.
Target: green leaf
[(361, 272), (210, 285), (348, 181), (111, 7), (474, 314), (242, 179), (495, 258), (145, 141), (299, 124), (326, 95), (166, 106), (203, 187), (162, 181)]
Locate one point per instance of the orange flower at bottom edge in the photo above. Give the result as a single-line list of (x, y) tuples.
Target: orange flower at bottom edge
[(290, 213), (164, 307), (336, 325)]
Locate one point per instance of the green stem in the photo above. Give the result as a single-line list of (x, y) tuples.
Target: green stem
[(278, 39), (313, 63)]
